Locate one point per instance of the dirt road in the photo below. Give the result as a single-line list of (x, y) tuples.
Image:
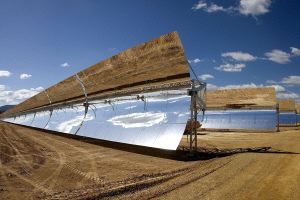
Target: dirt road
[(40, 165)]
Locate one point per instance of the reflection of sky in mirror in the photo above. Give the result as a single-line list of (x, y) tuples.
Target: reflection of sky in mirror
[(288, 118), (156, 120), (240, 119)]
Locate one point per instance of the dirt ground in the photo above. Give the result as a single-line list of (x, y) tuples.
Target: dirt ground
[(45, 165)]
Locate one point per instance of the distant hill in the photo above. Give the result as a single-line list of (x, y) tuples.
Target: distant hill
[(5, 108)]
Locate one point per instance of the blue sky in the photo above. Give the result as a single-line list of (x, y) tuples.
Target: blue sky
[(233, 43)]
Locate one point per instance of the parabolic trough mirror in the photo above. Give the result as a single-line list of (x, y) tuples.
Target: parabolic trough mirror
[(242, 109), (136, 97), (241, 119), (288, 112)]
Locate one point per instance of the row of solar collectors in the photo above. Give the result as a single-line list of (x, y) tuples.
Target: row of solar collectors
[(289, 118), (159, 121), (240, 119)]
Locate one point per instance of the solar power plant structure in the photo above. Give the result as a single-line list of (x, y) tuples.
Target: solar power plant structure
[(138, 96), (287, 112), (241, 109)]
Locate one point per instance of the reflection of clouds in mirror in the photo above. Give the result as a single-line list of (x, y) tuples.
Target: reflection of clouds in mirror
[(172, 99), (129, 107), (67, 126), (24, 119), (135, 120), (183, 114)]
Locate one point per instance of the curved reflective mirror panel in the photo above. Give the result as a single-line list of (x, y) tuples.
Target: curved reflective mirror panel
[(240, 119), (155, 119), (289, 118)]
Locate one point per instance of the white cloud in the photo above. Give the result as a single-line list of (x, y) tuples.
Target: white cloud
[(205, 77), (271, 82), (199, 5), (65, 65), (239, 56), (134, 120), (231, 67), (214, 8), (278, 88), (250, 85), (288, 95), (17, 96), (295, 51), (278, 56), (210, 8), (25, 76), (4, 73), (210, 87), (254, 7), (2, 87), (195, 61), (291, 80), (245, 7)]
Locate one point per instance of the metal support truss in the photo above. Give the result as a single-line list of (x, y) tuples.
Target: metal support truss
[(85, 104), (197, 93), (277, 113), (51, 109)]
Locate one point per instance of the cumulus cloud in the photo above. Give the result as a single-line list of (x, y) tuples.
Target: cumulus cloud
[(250, 85), (205, 77), (17, 96), (231, 67), (211, 87), (210, 8), (254, 7), (291, 80), (25, 76), (278, 56), (4, 73), (214, 8), (195, 61), (239, 56), (215, 87), (288, 95), (246, 7), (2, 87), (199, 5), (65, 65), (278, 88), (295, 51), (134, 120)]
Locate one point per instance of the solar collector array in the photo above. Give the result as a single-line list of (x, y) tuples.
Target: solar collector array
[(136, 97), (241, 109), (287, 112)]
